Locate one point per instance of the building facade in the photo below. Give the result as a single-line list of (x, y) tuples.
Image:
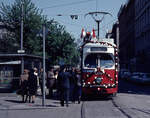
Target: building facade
[(142, 35), (10, 68), (126, 18)]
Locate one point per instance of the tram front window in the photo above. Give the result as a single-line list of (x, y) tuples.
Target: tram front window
[(105, 60), (90, 61)]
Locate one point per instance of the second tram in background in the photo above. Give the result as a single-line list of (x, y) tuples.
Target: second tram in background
[(99, 65)]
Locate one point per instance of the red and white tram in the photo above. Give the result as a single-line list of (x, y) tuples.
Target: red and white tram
[(99, 66)]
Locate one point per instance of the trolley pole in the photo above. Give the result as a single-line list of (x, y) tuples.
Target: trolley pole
[(43, 95), (98, 27), (97, 19)]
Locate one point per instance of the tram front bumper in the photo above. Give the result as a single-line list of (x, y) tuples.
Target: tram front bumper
[(99, 90)]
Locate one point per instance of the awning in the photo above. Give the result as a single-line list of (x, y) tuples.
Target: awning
[(10, 62)]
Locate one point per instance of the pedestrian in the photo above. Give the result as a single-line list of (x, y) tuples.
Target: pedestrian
[(24, 85), (64, 86), (72, 85), (56, 74), (50, 82), (78, 85), (36, 74), (56, 82), (41, 79), (32, 83)]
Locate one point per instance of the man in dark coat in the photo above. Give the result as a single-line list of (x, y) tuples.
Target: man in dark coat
[(64, 86), (32, 84), (73, 85)]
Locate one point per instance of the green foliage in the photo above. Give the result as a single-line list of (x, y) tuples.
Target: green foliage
[(59, 43), (11, 17)]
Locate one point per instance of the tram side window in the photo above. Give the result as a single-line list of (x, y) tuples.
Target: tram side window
[(90, 61)]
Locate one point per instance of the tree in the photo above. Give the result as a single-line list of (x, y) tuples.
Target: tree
[(59, 43), (11, 17)]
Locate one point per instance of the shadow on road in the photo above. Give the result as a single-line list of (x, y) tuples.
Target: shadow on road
[(3, 90), (46, 106), (35, 105), (133, 88), (97, 98), (14, 101)]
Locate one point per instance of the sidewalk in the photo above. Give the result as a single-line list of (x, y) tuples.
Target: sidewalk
[(11, 101)]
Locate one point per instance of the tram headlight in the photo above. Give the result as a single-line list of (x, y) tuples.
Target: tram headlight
[(83, 85), (95, 70), (113, 85)]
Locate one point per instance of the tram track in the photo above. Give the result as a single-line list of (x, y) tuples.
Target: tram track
[(83, 110), (83, 114), (123, 112), (120, 109)]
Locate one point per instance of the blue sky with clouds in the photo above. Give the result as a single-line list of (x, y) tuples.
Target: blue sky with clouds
[(52, 8)]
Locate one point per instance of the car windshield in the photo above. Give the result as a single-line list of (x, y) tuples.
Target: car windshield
[(105, 60)]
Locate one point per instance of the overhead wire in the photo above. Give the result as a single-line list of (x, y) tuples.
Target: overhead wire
[(73, 24), (74, 3), (68, 4)]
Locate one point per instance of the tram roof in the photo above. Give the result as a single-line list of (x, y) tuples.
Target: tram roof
[(95, 42)]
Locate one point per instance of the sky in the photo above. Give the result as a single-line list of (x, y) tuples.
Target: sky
[(52, 8)]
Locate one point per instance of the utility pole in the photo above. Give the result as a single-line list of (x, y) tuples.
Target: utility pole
[(43, 96), (98, 26), (22, 15), (117, 41)]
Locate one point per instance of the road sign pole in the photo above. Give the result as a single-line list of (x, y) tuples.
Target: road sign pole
[(43, 96), (22, 14)]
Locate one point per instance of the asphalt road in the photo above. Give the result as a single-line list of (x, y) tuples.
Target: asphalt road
[(132, 101)]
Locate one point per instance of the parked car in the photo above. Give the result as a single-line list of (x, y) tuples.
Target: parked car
[(138, 77), (135, 77), (124, 74)]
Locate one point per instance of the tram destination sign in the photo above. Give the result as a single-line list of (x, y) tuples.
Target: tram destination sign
[(98, 49)]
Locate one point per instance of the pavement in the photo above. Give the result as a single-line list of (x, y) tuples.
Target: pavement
[(12, 101), (12, 107)]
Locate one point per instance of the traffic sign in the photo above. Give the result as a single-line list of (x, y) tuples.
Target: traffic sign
[(21, 51)]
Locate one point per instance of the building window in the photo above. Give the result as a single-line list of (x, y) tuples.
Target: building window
[(146, 16), (149, 15)]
